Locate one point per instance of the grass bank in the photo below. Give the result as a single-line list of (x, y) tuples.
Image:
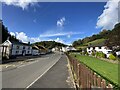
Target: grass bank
[(106, 69)]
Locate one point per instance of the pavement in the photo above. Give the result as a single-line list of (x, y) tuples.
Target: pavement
[(24, 75), (57, 77)]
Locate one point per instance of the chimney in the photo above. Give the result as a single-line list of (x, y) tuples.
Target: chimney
[(28, 43)]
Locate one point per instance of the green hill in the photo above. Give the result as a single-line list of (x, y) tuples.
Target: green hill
[(49, 44), (105, 37), (96, 42)]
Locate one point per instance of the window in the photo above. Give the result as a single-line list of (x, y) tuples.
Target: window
[(17, 52), (109, 52), (28, 52), (28, 48), (93, 47), (88, 47), (23, 47), (18, 47), (99, 47)]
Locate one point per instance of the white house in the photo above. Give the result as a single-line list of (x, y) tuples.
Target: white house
[(68, 48), (103, 49), (35, 51), (56, 49), (17, 48)]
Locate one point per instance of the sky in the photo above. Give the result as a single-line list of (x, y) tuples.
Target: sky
[(63, 22)]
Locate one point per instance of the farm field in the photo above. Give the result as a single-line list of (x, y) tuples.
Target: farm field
[(105, 69)]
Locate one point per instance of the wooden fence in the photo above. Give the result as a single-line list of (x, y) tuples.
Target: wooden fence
[(85, 78)]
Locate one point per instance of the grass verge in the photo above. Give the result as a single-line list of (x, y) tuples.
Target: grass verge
[(106, 69)]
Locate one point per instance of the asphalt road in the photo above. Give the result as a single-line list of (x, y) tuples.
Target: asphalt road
[(57, 77), (23, 76)]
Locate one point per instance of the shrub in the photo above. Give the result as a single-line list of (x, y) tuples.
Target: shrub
[(111, 56), (93, 53), (83, 52), (103, 55), (86, 53), (100, 54), (80, 53), (97, 54)]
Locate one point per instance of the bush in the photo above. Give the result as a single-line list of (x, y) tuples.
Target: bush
[(111, 56), (86, 53), (100, 54), (80, 53), (93, 53), (83, 53), (97, 54)]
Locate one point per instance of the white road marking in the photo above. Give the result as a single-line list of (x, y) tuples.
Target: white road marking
[(42, 74)]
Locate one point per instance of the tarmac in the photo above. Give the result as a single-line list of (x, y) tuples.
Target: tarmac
[(57, 77)]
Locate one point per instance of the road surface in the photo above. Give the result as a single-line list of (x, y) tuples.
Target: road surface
[(23, 76), (57, 77)]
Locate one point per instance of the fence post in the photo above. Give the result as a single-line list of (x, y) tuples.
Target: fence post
[(103, 84), (99, 81), (78, 74), (94, 79)]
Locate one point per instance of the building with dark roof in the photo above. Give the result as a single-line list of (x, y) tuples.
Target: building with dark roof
[(17, 49)]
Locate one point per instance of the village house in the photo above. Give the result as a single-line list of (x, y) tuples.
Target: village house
[(35, 51), (42, 49), (106, 50), (68, 48), (14, 49)]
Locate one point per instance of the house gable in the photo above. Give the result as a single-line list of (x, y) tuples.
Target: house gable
[(7, 43)]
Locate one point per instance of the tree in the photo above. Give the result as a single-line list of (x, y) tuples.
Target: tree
[(114, 36), (77, 43), (6, 34)]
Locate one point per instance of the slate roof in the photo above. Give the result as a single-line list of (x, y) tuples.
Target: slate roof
[(20, 43)]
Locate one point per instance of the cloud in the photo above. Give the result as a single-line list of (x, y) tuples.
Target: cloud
[(12, 33), (61, 22), (25, 38), (109, 17), (48, 34), (59, 40), (20, 3), (22, 36), (69, 36)]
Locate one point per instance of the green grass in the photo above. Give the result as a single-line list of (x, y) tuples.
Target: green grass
[(96, 42), (82, 47), (106, 69)]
